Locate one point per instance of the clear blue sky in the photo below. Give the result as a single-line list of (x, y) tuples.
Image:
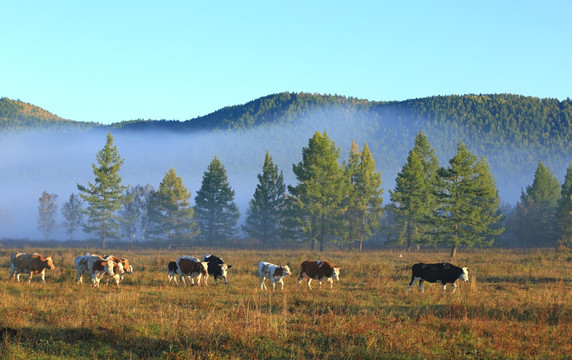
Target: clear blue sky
[(109, 61)]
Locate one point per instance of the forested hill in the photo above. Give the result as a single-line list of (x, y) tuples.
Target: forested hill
[(18, 115)]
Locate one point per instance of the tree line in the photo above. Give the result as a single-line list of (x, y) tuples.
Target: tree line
[(333, 202)]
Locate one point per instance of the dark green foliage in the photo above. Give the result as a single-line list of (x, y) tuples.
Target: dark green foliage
[(414, 196), (564, 211), (134, 213), (536, 209), (171, 217), (215, 209), (364, 201), (320, 191), (72, 211), (106, 195), (468, 211), (265, 211)]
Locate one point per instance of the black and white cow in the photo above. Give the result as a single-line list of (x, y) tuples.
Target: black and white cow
[(217, 267), (443, 273)]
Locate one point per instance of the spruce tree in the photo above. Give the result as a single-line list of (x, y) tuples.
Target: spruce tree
[(106, 195), (564, 211), (72, 212), (215, 209), (264, 214), (365, 198), (414, 194), (320, 190), (169, 211), (47, 214), (468, 212), (537, 209)]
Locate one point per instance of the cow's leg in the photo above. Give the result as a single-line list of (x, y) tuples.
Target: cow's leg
[(454, 288), (18, 277), (282, 283), (182, 278), (331, 281), (262, 286), (12, 270), (413, 281), (30, 278), (421, 285), (320, 283), (273, 284), (301, 278), (444, 286), (309, 281), (44, 276)]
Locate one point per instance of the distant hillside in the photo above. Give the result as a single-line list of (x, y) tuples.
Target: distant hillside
[(18, 115)]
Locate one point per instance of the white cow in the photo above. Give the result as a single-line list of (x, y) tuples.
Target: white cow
[(275, 273)]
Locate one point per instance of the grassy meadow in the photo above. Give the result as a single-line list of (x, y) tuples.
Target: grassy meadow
[(517, 305)]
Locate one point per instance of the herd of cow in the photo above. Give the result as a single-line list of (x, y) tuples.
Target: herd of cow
[(97, 267)]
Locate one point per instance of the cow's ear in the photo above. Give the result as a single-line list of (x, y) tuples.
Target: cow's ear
[(103, 263), (228, 266)]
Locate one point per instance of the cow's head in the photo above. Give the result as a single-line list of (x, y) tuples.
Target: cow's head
[(286, 270), (224, 269), (336, 274), (464, 275), (126, 266), (49, 262)]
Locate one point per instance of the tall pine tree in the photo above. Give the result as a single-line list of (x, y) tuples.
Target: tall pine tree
[(564, 211), (169, 211), (537, 207), (321, 187), (414, 194), (365, 198), (264, 214), (468, 212), (215, 209), (106, 195)]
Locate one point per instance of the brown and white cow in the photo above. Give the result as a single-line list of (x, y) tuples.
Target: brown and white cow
[(319, 270), (127, 267), (275, 273), (30, 264), (193, 268), (96, 267)]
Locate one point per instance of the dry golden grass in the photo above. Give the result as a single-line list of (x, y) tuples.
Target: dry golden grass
[(517, 305)]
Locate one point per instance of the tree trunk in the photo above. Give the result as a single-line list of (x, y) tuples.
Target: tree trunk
[(360, 245), (322, 234), (454, 251)]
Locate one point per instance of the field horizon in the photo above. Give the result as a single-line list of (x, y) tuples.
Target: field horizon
[(517, 305)]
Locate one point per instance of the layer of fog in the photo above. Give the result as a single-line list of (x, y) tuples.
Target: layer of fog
[(32, 163)]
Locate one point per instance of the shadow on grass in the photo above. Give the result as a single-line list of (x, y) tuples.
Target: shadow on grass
[(89, 343)]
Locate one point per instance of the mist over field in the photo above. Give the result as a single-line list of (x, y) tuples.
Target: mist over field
[(31, 163)]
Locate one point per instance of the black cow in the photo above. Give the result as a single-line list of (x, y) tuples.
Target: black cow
[(443, 273), (172, 267), (217, 268)]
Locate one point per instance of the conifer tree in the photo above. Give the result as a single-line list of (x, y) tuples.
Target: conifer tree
[(46, 213), (264, 214), (537, 209), (468, 212), (170, 212), (106, 195), (215, 209), (414, 193), (72, 212), (365, 198), (320, 190), (564, 211)]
